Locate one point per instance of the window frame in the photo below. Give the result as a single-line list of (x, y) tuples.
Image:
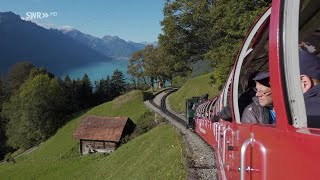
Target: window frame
[(291, 70), (243, 53)]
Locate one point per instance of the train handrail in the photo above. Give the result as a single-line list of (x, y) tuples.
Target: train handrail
[(224, 143), (219, 137), (244, 147), (215, 125)]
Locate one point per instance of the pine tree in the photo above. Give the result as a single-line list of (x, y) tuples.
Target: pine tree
[(86, 92), (117, 83), (70, 95)]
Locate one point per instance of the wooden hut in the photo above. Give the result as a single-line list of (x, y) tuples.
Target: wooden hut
[(102, 134)]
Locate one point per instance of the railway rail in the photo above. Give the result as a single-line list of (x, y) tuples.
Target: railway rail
[(200, 155), (164, 109)]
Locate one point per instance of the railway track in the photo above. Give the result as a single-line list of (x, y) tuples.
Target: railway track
[(164, 109), (200, 156)]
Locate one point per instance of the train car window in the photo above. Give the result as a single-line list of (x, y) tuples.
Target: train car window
[(225, 113), (301, 39), (227, 91), (253, 58)]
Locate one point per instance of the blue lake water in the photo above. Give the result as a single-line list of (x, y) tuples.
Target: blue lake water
[(99, 70)]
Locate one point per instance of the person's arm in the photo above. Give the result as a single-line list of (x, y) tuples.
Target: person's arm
[(250, 114)]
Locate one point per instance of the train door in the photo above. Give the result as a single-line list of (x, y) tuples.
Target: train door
[(253, 57), (290, 150)]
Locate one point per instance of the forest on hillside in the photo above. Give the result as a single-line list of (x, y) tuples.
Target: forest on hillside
[(193, 31), (34, 103)]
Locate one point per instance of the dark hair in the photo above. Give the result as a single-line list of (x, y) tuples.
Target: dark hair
[(247, 81)]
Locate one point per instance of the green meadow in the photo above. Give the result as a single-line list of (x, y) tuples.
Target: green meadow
[(193, 87), (157, 154)]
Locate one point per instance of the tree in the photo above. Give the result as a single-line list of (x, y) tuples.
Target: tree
[(86, 92), (151, 64), (103, 90), (3, 138), (42, 70), (16, 76), (232, 19), (136, 68), (71, 99), (34, 112), (185, 27), (117, 83), (202, 29)]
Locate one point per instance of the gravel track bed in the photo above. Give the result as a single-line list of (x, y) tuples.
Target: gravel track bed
[(200, 156)]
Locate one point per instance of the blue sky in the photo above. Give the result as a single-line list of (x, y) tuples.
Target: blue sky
[(134, 20)]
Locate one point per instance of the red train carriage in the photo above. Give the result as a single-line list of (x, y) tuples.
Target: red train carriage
[(287, 149)]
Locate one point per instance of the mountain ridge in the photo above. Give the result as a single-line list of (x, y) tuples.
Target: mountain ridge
[(58, 50), (108, 45), (26, 41)]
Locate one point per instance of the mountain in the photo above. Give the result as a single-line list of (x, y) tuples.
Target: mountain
[(111, 46), (22, 40)]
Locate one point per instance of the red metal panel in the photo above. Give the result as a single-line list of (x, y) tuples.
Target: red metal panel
[(241, 132), (288, 154), (274, 64)]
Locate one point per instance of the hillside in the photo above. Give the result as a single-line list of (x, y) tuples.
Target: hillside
[(158, 153), (194, 87)]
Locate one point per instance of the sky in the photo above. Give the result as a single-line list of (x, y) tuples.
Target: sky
[(131, 20)]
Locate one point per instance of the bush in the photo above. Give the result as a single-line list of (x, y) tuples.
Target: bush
[(145, 123), (8, 158)]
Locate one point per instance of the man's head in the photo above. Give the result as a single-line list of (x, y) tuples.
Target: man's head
[(263, 90), (309, 70)]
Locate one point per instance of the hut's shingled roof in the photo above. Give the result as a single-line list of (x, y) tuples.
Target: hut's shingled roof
[(101, 128)]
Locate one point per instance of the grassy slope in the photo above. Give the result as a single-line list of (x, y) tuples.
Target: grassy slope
[(194, 87), (144, 157)]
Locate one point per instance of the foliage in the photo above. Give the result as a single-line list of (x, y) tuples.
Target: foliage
[(3, 138), (34, 112), (16, 76), (153, 65), (103, 90), (145, 123), (185, 29), (193, 31), (71, 99), (58, 156), (201, 29), (35, 103), (117, 83), (8, 158), (85, 92), (232, 19), (136, 69)]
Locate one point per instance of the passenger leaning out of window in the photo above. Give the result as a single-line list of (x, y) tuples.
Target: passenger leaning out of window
[(261, 109), (310, 82)]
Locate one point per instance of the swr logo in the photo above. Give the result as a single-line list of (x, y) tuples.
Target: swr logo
[(39, 15)]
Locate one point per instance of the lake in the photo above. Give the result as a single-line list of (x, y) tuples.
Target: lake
[(98, 71)]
